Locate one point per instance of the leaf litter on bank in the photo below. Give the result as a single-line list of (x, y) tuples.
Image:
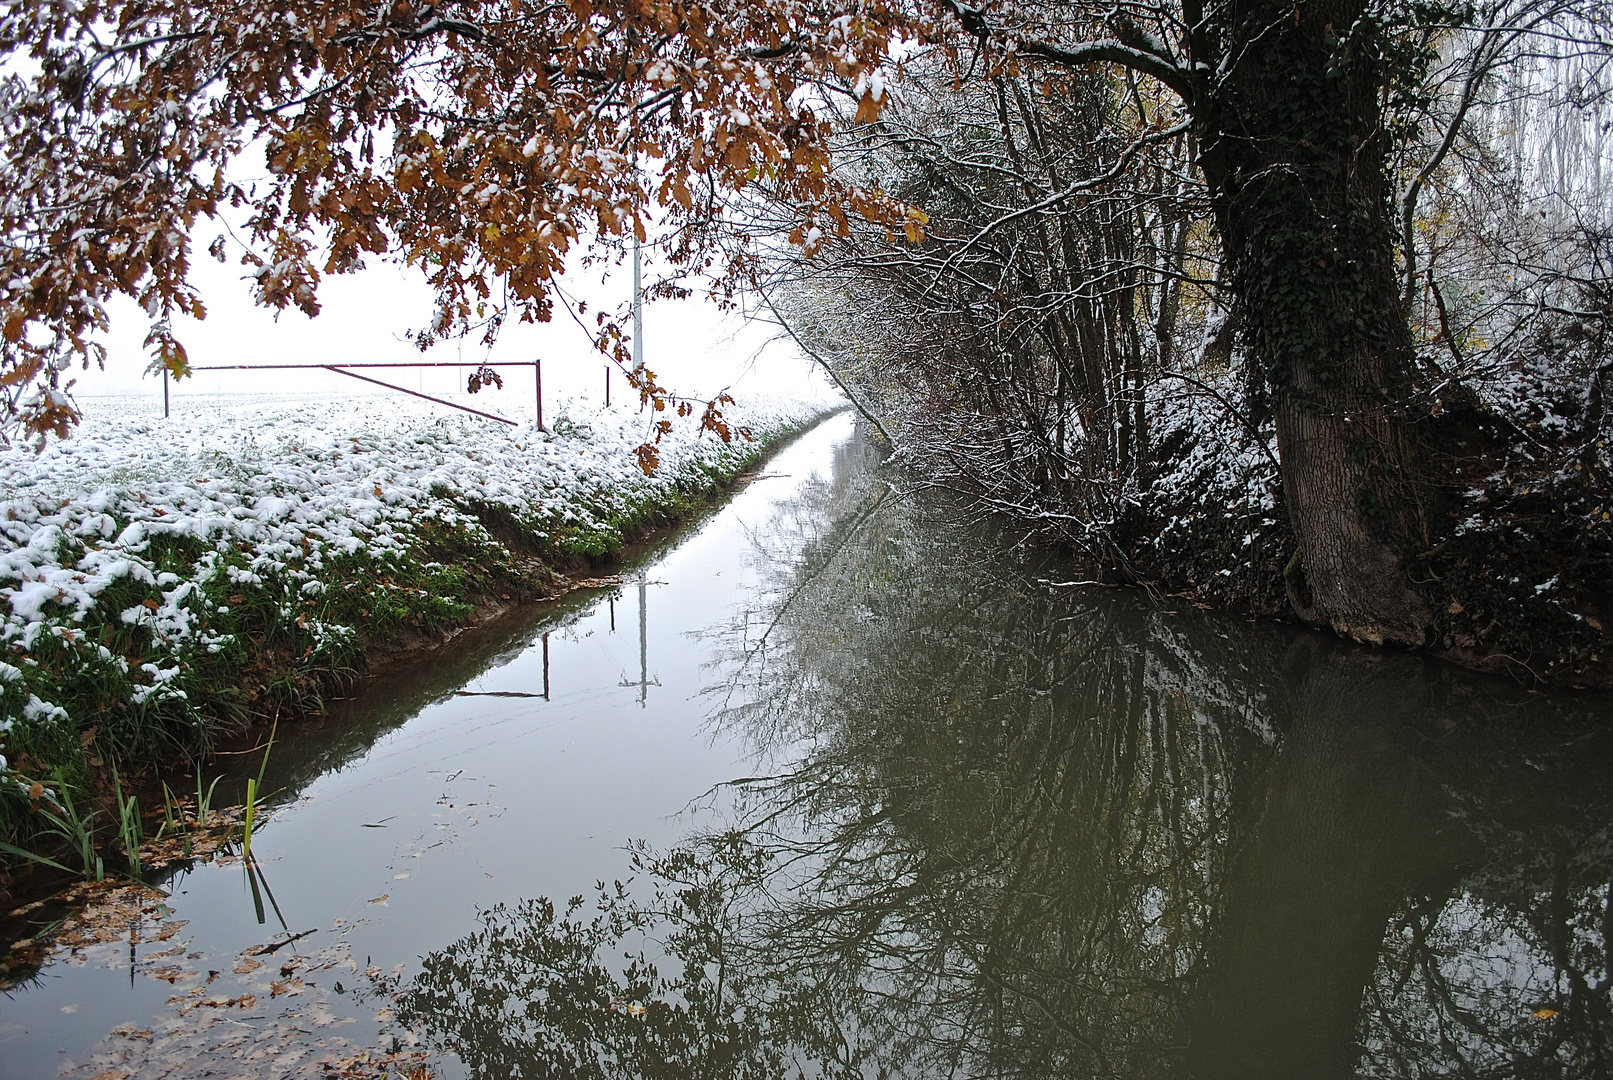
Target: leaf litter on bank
[(267, 1010)]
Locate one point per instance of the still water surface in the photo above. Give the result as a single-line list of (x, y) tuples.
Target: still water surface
[(884, 799)]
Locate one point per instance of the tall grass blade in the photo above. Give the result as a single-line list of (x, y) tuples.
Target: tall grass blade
[(129, 825), (252, 788), (264, 766), (168, 823), (12, 849), (77, 830), (204, 799)]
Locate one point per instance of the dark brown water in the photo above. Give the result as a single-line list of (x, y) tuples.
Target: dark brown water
[(982, 826)]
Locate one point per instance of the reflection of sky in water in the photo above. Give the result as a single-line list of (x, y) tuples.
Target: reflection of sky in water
[(1490, 992)]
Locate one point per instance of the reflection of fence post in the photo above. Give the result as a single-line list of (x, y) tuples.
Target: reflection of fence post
[(537, 370), (545, 665), (165, 392), (607, 386)]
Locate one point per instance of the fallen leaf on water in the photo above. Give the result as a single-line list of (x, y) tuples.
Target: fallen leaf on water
[(381, 899), (1545, 1014), (172, 973), (247, 965)]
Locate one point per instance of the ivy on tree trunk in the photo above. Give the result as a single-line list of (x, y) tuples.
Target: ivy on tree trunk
[(1294, 147)]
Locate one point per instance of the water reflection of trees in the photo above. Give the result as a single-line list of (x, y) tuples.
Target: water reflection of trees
[(1040, 833)]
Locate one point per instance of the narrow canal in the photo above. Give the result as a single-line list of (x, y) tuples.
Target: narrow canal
[(883, 797)]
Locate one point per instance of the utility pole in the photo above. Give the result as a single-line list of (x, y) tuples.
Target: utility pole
[(638, 310)]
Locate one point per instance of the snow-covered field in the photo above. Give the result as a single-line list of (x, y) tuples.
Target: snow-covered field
[(162, 519)]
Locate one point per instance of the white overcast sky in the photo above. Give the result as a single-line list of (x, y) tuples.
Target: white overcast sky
[(694, 348)]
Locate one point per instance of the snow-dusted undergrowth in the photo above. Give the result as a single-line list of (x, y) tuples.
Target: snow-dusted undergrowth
[(160, 577)]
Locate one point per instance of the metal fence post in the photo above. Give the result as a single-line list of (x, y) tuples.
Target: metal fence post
[(537, 370), (165, 393)]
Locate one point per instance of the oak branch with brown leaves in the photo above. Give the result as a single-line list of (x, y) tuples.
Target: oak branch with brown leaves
[(479, 140)]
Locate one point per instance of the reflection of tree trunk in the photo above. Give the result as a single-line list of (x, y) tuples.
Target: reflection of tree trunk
[(1332, 838)]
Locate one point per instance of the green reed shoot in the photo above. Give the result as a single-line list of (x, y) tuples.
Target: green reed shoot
[(78, 830), (246, 829), (130, 827), (263, 767), (204, 799), (252, 787), (169, 825), (130, 831)]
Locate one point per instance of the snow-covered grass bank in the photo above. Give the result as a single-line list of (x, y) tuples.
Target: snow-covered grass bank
[(162, 581)]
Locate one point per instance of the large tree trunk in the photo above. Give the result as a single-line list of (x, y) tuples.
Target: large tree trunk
[(1294, 154)]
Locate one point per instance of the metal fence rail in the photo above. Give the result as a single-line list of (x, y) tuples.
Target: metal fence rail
[(342, 369)]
